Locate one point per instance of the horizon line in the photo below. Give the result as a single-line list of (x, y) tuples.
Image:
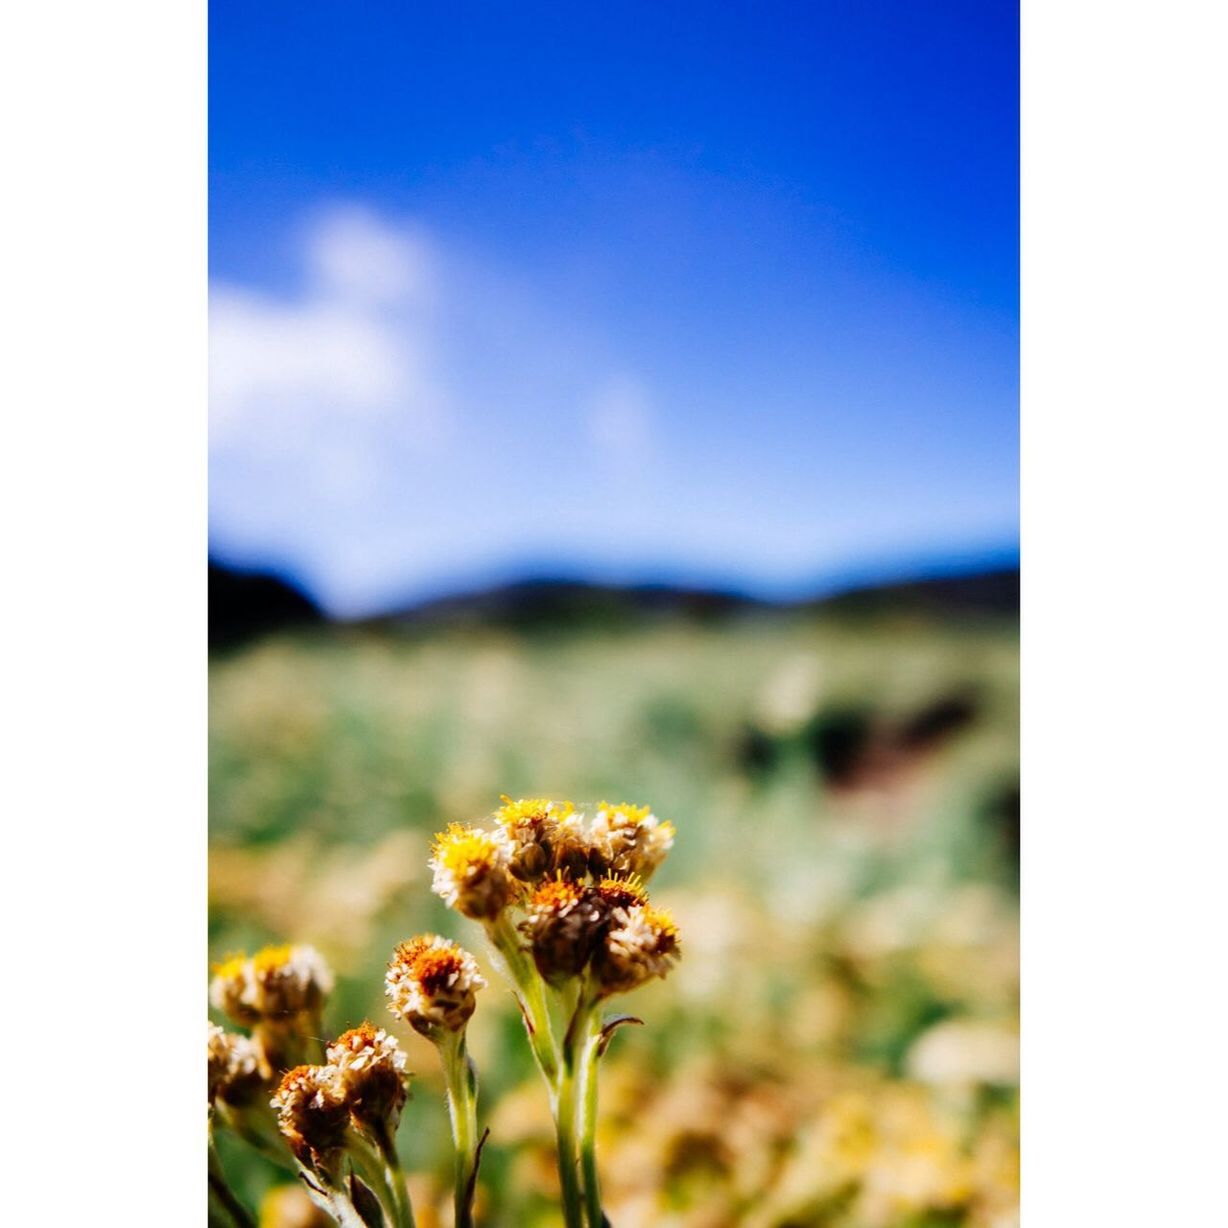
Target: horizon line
[(895, 568)]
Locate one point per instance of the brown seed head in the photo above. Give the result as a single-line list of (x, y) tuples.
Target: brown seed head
[(642, 943), (370, 1075), (563, 926), (312, 1115)]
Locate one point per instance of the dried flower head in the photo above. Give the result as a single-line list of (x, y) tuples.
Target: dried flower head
[(472, 873), (642, 943), (370, 1075), (574, 853), (563, 927), (613, 892), (277, 984), (312, 1115), (529, 828), (431, 984), (236, 1072), (628, 840)]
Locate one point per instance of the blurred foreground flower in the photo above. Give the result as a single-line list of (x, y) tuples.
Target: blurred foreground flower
[(279, 993)]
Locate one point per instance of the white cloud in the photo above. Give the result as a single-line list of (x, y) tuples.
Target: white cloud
[(350, 348), (365, 428), (356, 256)]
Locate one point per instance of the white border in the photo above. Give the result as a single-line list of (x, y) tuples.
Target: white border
[(102, 482), (1123, 632)]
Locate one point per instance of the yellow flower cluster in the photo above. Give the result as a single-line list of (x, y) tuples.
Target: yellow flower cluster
[(579, 882)]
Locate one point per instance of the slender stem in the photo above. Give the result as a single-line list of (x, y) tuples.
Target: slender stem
[(402, 1208), (577, 1107), (591, 1042), (565, 1134), (530, 990), (379, 1169), (461, 1078)]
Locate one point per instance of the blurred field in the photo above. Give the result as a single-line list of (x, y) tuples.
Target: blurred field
[(838, 1046)]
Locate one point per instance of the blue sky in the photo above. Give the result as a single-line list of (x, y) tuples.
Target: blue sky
[(720, 293)]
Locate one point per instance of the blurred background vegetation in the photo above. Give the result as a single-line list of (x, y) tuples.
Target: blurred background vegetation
[(839, 1044)]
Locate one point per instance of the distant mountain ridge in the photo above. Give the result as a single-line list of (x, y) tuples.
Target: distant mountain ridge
[(244, 605), (545, 602)]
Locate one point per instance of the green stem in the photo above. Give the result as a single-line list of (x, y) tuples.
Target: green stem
[(461, 1079), (530, 990), (565, 1135), (576, 1115), (591, 1042), (380, 1171), (401, 1206)]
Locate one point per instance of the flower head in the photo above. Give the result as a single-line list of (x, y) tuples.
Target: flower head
[(562, 927), (629, 839), (614, 892), (276, 985), (312, 1115), (574, 853), (472, 872), (236, 1072), (370, 1077), (642, 943), (529, 828), (431, 983)]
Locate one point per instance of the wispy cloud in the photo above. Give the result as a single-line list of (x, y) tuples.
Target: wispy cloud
[(352, 346), (397, 384)]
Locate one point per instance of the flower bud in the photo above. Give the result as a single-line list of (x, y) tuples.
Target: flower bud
[(276, 985), (529, 828), (563, 927), (642, 943), (236, 1072), (370, 1076), (312, 1116), (431, 984), (630, 839), (472, 873)]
